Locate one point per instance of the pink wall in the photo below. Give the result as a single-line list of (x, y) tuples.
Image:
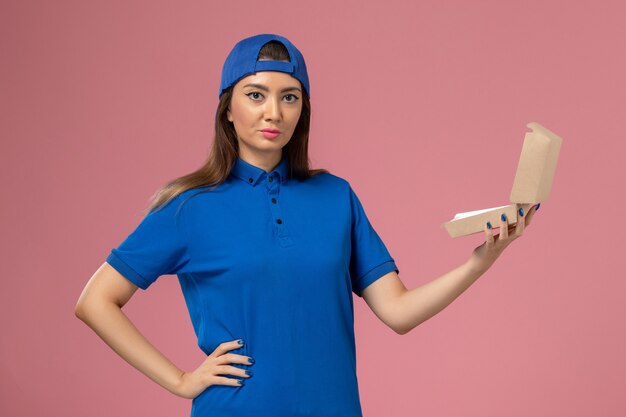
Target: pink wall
[(422, 106)]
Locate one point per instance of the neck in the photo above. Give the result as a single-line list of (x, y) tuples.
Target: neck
[(266, 163)]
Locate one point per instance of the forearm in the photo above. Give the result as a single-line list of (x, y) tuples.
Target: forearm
[(117, 331), (421, 303)]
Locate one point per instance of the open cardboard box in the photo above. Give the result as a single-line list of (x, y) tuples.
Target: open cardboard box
[(532, 184)]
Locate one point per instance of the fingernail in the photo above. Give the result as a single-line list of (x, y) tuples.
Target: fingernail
[(488, 225), (521, 212), (250, 360), (537, 208), (240, 341), (241, 382), (503, 217), (249, 373)]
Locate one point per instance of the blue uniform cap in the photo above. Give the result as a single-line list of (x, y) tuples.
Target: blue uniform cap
[(242, 61)]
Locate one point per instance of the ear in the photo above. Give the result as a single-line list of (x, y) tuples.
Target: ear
[(228, 115)]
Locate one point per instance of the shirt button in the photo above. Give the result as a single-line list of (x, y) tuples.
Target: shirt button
[(250, 180), (271, 179), (279, 221), (273, 200)]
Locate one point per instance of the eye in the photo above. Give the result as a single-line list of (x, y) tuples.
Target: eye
[(295, 98), (254, 92)]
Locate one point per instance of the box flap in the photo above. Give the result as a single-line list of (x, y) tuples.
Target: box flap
[(537, 165)]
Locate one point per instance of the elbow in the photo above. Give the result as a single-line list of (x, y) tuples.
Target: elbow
[(79, 311), (402, 329), (399, 324), (82, 309), (398, 317), (90, 308)]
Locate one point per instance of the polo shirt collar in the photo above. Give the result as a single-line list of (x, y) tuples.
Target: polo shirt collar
[(251, 174)]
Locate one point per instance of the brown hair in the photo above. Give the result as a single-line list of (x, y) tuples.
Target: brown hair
[(225, 148)]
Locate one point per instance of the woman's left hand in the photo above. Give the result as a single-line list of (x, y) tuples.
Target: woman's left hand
[(487, 253)]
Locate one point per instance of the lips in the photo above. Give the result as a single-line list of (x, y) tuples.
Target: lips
[(270, 130), (270, 135)]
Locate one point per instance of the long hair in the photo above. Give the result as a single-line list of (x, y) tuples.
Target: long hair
[(225, 149)]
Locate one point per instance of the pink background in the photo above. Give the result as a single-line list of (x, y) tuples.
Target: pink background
[(422, 106)]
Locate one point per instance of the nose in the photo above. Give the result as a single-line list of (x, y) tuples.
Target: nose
[(272, 109)]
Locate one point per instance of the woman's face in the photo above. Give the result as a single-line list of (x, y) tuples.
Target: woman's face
[(267, 99)]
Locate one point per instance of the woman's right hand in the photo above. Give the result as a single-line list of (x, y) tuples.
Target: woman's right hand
[(208, 373)]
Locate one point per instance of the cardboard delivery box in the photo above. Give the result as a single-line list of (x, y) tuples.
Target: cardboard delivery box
[(532, 184)]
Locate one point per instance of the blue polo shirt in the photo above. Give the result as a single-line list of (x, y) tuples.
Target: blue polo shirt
[(274, 261)]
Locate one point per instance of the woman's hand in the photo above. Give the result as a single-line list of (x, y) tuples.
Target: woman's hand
[(207, 374), (487, 253)]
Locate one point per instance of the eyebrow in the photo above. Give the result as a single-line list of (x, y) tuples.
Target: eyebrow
[(264, 88)]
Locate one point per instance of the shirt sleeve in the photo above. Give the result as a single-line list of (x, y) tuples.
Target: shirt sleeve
[(369, 259), (156, 247)]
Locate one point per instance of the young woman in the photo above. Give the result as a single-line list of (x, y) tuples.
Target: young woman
[(268, 253)]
